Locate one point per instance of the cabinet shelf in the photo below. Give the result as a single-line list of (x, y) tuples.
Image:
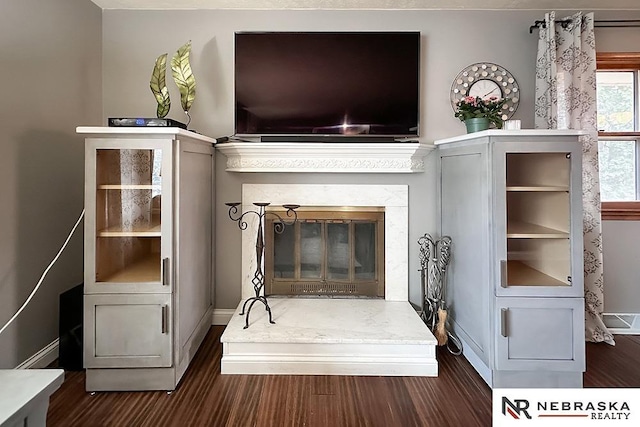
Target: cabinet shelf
[(538, 188), (151, 230), (525, 230), (129, 187), (520, 274), (144, 271)]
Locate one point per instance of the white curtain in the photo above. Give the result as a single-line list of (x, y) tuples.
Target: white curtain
[(566, 99)]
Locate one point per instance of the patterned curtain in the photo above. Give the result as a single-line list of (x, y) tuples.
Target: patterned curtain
[(566, 99)]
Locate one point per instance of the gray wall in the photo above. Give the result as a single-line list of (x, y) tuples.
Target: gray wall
[(451, 40), (133, 39), (621, 245), (51, 82)]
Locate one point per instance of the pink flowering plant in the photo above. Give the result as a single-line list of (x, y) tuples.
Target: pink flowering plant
[(490, 108)]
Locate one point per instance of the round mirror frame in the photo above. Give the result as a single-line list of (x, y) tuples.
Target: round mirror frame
[(487, 71)]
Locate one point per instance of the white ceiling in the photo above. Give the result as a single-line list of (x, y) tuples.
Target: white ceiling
[(372, 4)]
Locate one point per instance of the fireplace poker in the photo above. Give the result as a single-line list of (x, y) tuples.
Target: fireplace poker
[(434, 258)]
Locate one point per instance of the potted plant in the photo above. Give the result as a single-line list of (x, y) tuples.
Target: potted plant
[(479, 114)]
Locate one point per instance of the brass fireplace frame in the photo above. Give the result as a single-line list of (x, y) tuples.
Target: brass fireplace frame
[(351, 287)]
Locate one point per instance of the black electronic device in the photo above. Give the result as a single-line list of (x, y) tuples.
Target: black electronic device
[(144, 122), (70, 328), (341, 84)]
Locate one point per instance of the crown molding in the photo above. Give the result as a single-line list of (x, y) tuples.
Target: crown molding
[(372, 4)]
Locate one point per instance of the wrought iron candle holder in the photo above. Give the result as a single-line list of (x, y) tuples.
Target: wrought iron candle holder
[(258, 276)]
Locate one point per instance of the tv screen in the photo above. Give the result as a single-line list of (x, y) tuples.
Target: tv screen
[(327, 83)]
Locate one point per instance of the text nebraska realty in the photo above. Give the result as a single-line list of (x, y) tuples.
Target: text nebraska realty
[(598, 410)]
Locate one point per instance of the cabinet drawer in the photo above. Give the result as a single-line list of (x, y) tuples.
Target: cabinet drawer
[(127, 331), (540, 334)]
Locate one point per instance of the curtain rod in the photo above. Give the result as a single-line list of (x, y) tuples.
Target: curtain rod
[(610, 23)]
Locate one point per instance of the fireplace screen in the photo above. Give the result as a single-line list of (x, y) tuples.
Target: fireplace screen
[(338, 251)]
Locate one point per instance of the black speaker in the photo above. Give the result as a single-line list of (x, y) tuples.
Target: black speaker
[(70, 329)]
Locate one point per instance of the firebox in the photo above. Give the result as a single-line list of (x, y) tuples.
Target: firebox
[(336, 251)]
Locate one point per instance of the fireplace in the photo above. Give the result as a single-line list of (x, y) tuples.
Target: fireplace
[(389, 200), (381, 336), (329, 251)]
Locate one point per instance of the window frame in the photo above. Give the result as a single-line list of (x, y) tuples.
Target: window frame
[(622, 61)]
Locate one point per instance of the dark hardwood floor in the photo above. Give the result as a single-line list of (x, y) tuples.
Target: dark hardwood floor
[(204, 397)]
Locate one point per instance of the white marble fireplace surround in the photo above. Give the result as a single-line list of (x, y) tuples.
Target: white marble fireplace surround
[(393, 198), (332, 336)]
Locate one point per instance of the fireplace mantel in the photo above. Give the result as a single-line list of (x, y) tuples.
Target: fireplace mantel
[(393, 157)]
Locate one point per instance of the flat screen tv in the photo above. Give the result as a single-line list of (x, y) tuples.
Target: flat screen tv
[(335, 84)]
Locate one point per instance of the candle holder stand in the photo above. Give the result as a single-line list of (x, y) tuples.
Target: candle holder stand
[(258, 276)]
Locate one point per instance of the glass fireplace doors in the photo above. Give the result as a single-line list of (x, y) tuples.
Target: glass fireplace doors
[(337, 251)]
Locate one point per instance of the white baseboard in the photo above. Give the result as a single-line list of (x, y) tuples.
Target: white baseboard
[(43, 358), (622, 323), (221, 316)]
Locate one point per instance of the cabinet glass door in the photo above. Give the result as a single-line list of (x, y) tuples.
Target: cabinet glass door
[(128, 216), (538, 201)]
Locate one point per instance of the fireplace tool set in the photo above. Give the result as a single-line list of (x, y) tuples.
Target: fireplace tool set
[(258, 276), (434, 258)]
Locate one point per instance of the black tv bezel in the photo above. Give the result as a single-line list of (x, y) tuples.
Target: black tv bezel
[(324, 137)]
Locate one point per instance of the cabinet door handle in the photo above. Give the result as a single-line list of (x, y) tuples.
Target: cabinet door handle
[(503, 273), (165, 310), (503, 321), (165, 272)]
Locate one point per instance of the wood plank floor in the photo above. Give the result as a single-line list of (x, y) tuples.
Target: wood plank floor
[(457, 397)]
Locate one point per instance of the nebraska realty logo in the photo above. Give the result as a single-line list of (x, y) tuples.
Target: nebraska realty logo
[(554, 409), (516, 409), (575, 407)]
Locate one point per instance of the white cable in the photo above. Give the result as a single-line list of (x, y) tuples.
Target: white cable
[(44, 274)]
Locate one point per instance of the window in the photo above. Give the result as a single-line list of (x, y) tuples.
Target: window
[(618, 93)]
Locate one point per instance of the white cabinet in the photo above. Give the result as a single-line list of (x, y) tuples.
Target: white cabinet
[(148, 255), (511, 202)]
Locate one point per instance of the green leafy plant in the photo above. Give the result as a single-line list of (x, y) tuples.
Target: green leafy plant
[(490, 108), (183, 76), (159, 86)]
